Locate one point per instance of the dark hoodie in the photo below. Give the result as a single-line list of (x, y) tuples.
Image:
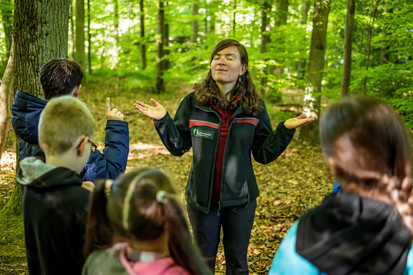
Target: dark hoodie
[(26, 110), (54, 215), (350, 234)]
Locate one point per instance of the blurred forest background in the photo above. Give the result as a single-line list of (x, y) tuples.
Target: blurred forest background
[(303, 54)]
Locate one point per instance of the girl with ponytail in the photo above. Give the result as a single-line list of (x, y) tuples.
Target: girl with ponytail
[(368, 228), (139, 228)]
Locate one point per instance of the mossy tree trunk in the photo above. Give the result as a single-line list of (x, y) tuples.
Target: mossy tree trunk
[(312, 100), (40, 33)]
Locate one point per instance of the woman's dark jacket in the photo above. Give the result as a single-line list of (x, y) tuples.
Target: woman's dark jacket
[(26, 110), (198, 127)]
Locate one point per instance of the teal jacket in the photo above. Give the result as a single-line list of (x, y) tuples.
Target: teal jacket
[(198, 127), (287, 261), (346, 234)]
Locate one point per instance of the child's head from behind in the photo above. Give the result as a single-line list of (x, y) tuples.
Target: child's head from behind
[(63, 122), (136, 207), (141, 209), (368, 148), (60, 77)]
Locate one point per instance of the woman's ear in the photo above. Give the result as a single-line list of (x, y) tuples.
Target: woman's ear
[(243, 69)]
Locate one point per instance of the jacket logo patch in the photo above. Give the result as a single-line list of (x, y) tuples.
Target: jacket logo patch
[(202, 133)]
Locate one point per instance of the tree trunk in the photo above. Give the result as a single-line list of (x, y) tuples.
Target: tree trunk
[(165, 40), (89, 40), (368, 43), (234, 18), (116, 21), (301, 68), (72, 30), (142, 34), (160, 85), (312, 100), (7, 20), (282, 12), (6, 97), (265, 38), (80, 32), (40, 34), (195, 26), (345, 81)]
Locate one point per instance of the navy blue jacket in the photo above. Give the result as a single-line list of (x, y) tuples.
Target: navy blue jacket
[(26, 110)]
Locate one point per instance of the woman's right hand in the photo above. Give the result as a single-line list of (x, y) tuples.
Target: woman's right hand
[(155, 112)]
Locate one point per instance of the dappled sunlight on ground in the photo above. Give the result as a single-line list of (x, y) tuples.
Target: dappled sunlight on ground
[(8, 161)]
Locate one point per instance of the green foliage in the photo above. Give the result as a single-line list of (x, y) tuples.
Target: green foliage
[(383, 69)]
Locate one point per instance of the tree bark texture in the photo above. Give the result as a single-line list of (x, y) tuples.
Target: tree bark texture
[(142, 33), (265, 38), (282, 12), (89, 40), (6, 97), (40, 29), (7, 20), (348, 35), (160, 84), (312, 103), (195, 25), (40, 34), (80, 33)]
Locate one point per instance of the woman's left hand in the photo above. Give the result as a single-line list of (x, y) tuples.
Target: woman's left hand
[(299, 121)]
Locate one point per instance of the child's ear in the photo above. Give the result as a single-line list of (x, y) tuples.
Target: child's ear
[(77, 90), (80, 150), (332, 165), (43, 92), (42, 146)]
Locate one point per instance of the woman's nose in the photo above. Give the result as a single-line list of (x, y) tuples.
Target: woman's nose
[(221, 61)]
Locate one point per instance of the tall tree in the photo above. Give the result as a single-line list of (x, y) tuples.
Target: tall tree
[(282, 12), (80, 33), (72, 30), (265, 39), (304, 16), (234, 18), (368, 42), (195, 25), (142, 33), (318, 46), (89, 40), (6, 96), (7, 20), (160, 84), (40, 33), (348, 35)]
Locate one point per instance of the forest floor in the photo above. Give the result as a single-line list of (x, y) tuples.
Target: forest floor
[(297, 181)]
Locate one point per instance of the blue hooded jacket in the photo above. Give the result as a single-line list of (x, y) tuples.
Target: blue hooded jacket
[(26, 110)]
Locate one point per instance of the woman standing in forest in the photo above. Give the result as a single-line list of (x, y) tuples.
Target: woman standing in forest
[(223, 120), (368, 228)]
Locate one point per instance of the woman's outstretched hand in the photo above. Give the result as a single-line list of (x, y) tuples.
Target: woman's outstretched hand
[(155, 112), (299, 121)]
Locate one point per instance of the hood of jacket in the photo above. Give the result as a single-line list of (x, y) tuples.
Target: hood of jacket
[(26, 110), (348, 233), (33, 170)]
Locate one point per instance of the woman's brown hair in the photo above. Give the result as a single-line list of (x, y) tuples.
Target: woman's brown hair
[(208, 90), (371, 150)]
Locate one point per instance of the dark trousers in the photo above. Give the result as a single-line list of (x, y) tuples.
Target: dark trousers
[(236, 224)]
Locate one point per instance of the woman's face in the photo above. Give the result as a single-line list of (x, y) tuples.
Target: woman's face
[(226, 66)]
